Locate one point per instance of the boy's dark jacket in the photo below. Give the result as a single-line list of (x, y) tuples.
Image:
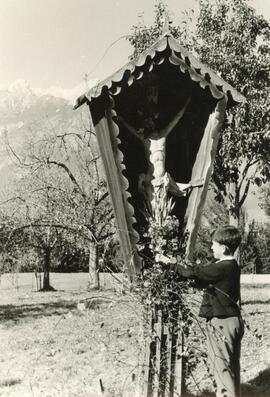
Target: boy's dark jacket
[(222, 282)]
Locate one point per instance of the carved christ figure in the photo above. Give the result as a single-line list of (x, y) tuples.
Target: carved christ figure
[(154, 143)]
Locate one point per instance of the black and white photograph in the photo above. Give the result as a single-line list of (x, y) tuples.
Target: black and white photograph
[(135, 198)]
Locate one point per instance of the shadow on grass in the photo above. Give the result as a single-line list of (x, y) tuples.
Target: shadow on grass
[(15, 313), (203, 393), (10, 382), (258, 312), (255, 302), (256, 387)]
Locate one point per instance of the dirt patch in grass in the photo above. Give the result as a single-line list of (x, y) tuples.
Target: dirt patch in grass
[(74, 343)]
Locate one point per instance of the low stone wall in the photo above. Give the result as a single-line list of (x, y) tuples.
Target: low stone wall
[(255, 279)]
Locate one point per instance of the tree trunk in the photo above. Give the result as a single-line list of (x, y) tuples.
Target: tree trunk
[(233, 219), (46, 270), (94, 282), (233, 204), (234, 211)]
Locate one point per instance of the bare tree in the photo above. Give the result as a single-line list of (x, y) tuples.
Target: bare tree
[(59, 190)]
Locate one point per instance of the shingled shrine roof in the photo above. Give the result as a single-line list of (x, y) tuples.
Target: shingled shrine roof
[(164, 48)]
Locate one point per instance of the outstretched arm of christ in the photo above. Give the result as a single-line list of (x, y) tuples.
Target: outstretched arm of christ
[(165, 131), (131, 129)]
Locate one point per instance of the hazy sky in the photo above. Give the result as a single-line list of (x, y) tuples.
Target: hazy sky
[(55, 42)]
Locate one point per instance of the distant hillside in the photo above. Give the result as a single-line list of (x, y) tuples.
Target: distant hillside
[(21, 111), (26, 113), (20, 104)]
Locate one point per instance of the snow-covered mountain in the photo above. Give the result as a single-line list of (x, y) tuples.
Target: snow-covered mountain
[(27, 111), (20, 103), (19, 94)]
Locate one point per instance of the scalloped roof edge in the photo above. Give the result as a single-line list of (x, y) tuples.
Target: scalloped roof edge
[(197, 70)]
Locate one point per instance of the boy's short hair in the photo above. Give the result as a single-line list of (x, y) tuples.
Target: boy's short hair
[(228, 236)]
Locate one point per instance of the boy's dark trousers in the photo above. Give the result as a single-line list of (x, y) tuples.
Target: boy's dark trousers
[(224, 344)]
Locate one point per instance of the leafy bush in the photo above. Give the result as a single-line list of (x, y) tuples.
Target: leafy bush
[(255, 249)]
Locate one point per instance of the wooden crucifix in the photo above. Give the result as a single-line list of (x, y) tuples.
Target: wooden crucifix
[(154, 143)]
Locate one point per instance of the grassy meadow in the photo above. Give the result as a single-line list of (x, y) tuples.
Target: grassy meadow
[(77, 343)]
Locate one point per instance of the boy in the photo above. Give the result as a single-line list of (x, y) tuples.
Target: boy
[(220, 308)]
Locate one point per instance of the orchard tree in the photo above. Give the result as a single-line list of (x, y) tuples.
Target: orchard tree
[(33, 225), (60, 158), (256, 249), (234, 41), (264, 199)]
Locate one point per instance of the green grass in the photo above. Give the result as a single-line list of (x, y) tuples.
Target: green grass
[(68, 342)]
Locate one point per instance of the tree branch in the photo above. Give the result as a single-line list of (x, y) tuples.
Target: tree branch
[(53, 225), (102, 198), (106, 236), (62, 136), (21, 163), (71, 176), (245, 193), (245, 171)]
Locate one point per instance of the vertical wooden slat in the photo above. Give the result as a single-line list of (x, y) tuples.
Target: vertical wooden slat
[(146, 369), (152, 390), (202, 170), (168, 331), (173, 375), (178, 362), (158, 335), (146, 356), (163, 363), (105, 138)]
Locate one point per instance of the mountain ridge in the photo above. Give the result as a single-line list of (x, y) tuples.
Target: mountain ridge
[(20, 101)]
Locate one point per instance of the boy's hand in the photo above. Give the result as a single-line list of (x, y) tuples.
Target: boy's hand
[(165, 259), (188, 263)]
